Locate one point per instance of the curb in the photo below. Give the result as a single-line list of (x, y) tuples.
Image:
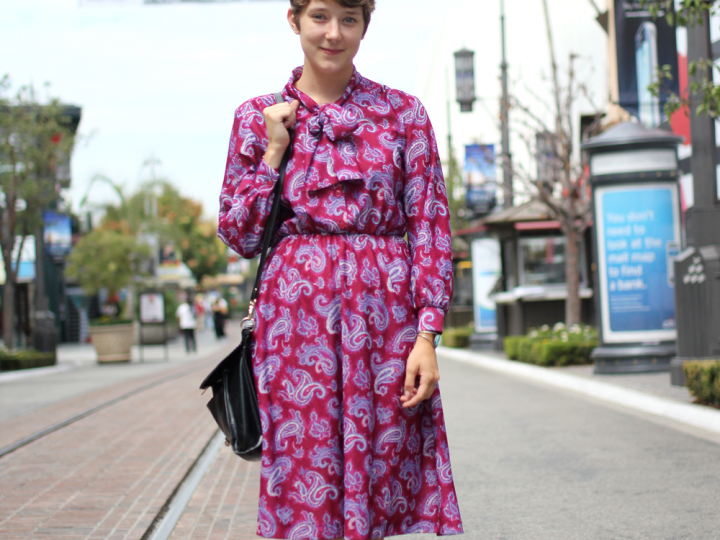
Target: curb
[(694, 415), (33, 372)]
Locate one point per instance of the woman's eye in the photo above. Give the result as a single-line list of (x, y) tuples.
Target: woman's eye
[(350, 20)]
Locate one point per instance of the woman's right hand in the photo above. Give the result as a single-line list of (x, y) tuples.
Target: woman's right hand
[(278, 120)]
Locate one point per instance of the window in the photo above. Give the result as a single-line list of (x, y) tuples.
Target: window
[(542, 261)]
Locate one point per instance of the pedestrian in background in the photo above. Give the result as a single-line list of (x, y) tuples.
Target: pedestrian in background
[(354, 441), (199, 312), (186, 320), (207, 309), (220, 310)]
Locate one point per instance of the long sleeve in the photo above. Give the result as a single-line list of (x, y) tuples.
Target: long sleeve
[(428, 218), (247, 193)]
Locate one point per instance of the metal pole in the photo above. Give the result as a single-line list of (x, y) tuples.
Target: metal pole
[(504, 120)]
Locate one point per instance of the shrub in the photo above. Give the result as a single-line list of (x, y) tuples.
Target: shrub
[(556, 346), (106, 320), (457, 337), (559, 353), (511, 344), (702, 378), (525, 350), (25, 359)]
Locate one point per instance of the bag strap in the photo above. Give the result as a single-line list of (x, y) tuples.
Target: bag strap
[(270, 226)]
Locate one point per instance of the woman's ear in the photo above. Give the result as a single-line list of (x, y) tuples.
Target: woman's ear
[(292, 21)]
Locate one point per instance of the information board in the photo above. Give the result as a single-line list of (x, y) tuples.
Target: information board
[(485, 272), (152, 308), (638, 232)]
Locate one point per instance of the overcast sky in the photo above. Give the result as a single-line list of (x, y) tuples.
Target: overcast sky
[(164, 80)]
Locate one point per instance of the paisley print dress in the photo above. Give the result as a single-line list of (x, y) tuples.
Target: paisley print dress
[(360, 263)]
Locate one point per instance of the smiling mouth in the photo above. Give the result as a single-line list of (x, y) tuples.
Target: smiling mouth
[(331, 51)]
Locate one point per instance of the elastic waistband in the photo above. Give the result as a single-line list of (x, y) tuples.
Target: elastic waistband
[(343, 235)]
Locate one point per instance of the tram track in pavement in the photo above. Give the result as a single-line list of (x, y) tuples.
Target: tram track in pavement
[(92, 410), (170, 487)]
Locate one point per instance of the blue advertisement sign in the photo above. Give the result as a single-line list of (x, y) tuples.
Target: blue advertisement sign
[(486, 269), (57, 234), (480, 177), (638, 239)]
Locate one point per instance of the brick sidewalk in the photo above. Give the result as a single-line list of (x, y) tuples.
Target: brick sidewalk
[(225, 504), (107, 475), (18, 428)]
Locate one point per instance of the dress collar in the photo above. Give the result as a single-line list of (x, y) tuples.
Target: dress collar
[(292, 91)]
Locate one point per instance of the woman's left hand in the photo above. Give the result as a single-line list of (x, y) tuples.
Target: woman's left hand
[(422, 362)]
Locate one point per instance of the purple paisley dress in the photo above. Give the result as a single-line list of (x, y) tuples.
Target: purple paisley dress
[(361, 262)]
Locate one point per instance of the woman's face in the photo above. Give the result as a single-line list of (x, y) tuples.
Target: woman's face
[(330, 35)]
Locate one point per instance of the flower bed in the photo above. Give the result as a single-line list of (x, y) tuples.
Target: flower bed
[(556, 346), (25, 359)]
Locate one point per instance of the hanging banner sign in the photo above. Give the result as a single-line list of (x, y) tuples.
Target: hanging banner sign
[(57, 234), (643, 45), (485, 272), (480, 178), (638, 233)]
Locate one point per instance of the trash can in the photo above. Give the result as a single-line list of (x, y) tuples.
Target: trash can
[(44, 334)]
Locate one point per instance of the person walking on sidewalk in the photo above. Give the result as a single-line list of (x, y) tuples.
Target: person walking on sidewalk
[(354, 439), (220, 310), (186, 320)]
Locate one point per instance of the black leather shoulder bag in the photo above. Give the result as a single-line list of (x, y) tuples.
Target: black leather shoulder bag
[(234, 404)]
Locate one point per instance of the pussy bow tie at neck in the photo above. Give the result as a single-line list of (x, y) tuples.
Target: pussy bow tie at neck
[(334, 156), (334, 122)]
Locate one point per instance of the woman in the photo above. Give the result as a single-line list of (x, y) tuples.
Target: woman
[(354, 437)]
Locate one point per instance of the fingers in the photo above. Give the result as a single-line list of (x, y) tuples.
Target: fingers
[(410, 376), (291, 118), (424, 392)]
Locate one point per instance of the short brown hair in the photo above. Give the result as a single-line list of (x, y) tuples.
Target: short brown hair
[(368, 6)]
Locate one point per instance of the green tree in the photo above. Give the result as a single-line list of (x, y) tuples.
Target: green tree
[(158, 208), (105, 259), (36, 143)]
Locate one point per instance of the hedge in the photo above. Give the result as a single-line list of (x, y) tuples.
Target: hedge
[(25, 359), (457, 337), (702, 378), (558, 346)]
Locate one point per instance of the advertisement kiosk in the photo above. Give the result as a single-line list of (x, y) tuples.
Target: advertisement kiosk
[(637, 236)]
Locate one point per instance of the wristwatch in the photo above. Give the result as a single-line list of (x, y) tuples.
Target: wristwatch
[(432, 337)]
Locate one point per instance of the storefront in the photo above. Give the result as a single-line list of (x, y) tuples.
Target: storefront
[(532, 289)]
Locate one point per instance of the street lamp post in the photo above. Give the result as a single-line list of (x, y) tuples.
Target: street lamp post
[(465, 79), (505, 119)]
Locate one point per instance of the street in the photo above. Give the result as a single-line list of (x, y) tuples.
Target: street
[(529, 461)]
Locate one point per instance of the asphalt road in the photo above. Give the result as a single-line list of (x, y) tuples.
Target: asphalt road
[(533, 463)]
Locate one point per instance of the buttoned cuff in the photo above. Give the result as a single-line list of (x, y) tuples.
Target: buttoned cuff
[(431, 319)]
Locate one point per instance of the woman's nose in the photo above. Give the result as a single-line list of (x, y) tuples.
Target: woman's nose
[(333, 30)]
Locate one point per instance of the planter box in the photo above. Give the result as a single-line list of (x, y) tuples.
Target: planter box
[(112, 342)]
